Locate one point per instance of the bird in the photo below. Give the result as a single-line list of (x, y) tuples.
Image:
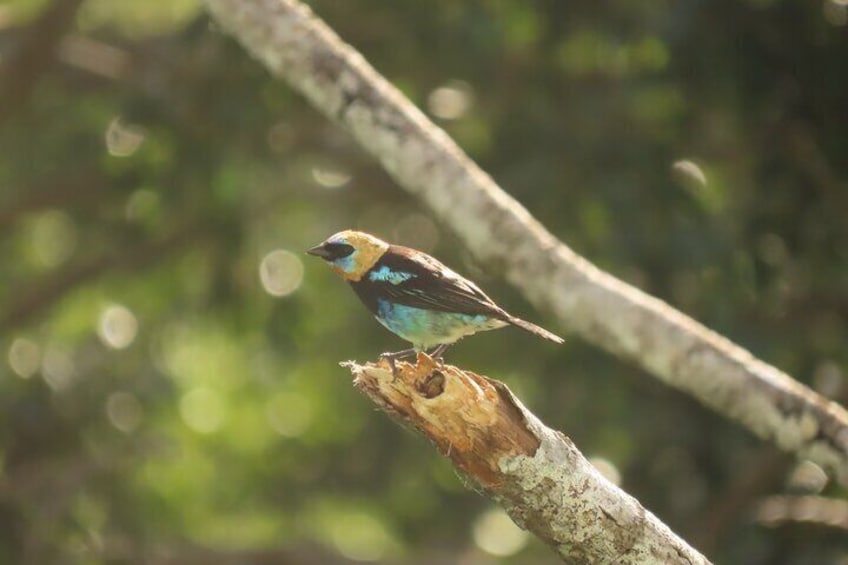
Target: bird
[(414, 295)]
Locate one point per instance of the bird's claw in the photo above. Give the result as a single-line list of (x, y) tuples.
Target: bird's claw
[(392, 358), (438, 353)]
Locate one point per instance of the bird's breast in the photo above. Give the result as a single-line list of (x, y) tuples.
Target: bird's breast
[(428, 328)]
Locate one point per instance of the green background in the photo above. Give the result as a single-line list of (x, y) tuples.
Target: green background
[(169, 385)]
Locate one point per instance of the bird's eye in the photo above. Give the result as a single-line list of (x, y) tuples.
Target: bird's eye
[(337, 250)]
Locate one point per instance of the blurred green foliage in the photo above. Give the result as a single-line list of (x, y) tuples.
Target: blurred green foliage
[(170, 391)]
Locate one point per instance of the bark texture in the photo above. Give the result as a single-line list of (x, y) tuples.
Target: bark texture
[(536, 473), (298, 47)]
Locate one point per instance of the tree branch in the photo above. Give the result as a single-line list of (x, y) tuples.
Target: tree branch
[(537, 474), (298, 47)]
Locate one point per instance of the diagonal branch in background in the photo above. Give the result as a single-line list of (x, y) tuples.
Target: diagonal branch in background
[(23, 308), (298, 47), (537, 474), (37, 50), (68, 189), (811, 509)]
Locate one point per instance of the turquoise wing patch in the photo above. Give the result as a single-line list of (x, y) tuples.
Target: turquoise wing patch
[(385, 274)]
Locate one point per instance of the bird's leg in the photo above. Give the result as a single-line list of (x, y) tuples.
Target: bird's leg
[(392, 357), (438, 352)]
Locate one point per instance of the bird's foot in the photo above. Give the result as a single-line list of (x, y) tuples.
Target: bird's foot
[(393, 357), (438, 353)]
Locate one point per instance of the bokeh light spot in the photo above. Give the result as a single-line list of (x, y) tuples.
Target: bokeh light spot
[(607, 469), (360, 536), (203, 410), (24, 357), (117, 327), (137, 19), (53, 238), (828, 379), (689, 173), (691, 177), (57, 368), (94, 56), (807, 477), (289, 414), (451, 101), (122, 139), (124, 411), (330, 176), (495, 533), (281, 272), (141, 205), (836, 12)]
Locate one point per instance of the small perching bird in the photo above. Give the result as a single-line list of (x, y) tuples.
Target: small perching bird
[(413, 295)]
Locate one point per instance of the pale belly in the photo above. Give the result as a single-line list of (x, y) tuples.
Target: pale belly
[(428, 328)]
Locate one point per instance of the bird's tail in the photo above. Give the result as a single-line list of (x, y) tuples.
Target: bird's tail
[(534, 329)]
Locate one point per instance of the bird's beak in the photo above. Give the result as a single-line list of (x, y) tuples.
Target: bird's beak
[(319, 251)]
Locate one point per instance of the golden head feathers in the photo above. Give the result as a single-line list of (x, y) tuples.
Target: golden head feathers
[(351, 253)]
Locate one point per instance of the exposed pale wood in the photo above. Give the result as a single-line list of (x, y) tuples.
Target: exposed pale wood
[(537, 474)]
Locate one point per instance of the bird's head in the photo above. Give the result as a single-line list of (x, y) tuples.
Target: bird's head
[(350, 253)]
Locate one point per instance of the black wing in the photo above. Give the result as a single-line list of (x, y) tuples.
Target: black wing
[(409, 277)]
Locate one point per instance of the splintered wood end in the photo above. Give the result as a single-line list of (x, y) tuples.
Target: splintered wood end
[(474, 420)]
